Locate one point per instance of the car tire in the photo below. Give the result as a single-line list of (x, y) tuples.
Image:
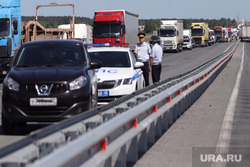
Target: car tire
[(8, 127)]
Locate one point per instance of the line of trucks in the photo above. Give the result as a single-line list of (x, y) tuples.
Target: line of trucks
[(116, 27)]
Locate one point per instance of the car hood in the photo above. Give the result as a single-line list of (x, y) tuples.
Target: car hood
[(35, 75), (104, 74)]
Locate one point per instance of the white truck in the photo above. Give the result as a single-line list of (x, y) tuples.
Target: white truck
[(244, 32), (225, 32), (171, 35), (83, 32)]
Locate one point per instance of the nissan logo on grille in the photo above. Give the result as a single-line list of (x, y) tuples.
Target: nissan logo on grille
[(43, 88)]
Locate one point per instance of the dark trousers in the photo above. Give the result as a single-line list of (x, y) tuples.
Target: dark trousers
[(145, 73), (156, 73)]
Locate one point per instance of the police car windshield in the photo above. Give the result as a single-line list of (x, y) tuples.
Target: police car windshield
[(50, 55), (4, 27), (111, 59)]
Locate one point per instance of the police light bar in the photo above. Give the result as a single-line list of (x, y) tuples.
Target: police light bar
[(107, 44), (101, 44)]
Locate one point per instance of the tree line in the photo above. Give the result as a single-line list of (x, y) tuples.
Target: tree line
[(150, 24)]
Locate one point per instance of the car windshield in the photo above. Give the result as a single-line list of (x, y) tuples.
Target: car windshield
[(106, 30), (4, 27), (111, 59), (167, 33), (50, 55)]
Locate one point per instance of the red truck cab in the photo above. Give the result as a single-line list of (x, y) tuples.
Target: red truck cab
[(218, 32)]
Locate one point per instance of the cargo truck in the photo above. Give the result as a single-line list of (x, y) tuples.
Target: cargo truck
[(10, 30), (225, 33), (171, 35), (200, 33), (82, 32), (218, 32), (244, 32), (116, 27)]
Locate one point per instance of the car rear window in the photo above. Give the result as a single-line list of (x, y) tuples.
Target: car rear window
[(50, 55), (111, 59)]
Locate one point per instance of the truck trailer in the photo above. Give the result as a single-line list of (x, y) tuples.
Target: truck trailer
[(171, 35), (10, 30), (244, 33), (200, 33), (82, 32), (116, 27)]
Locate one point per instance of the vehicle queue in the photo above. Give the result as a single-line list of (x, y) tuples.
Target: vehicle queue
[(69, 79)]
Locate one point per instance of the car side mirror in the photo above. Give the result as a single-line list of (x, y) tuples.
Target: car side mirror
[(95, 64), (138, 65), (5, 66)]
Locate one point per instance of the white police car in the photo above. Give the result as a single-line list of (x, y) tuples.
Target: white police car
[(120, 73)]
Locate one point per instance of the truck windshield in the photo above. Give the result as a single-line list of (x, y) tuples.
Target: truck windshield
[(4, 27), (197, 32), (111, 59), (107, 30), (217, 32), (167, 33), (50, 55)]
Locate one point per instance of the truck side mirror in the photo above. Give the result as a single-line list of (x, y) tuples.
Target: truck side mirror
[(15, 24), (123, 29), (9, 47)]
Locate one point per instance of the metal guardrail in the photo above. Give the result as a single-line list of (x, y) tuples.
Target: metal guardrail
[(114, 134)]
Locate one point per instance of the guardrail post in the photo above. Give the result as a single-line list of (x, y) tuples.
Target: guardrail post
[(132, 150), (151, 133), (118, 159), (170, 116), (142, 141), (165, 121), (158, 127)]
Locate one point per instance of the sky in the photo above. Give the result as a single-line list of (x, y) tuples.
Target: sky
[(146, 9)]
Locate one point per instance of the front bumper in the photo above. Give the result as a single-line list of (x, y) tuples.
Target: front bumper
[(15, 114), (16, 106)]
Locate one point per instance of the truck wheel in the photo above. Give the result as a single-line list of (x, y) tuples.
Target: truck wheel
[(8, 127)]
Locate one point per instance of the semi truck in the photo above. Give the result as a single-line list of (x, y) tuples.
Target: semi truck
[(116, 27), (200, 33), (10, 30), (82, 32), (171, 35), (244, 32), (218, 32), (225, 33)]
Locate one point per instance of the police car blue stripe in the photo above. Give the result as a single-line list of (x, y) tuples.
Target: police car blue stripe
[(137, 75)]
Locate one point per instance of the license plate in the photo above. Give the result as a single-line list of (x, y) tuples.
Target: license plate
[(43, 101), (103, 93)]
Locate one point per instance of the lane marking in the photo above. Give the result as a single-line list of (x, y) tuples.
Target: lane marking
[(226, 128)]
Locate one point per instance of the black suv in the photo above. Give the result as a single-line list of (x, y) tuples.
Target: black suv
[(48, 81)]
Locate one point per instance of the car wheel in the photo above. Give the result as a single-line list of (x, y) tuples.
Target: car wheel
[(8, 127)]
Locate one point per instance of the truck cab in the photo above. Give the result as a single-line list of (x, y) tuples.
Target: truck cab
[(171, 35), (200, 33), (10, 30), (115, 27), (218, 32)]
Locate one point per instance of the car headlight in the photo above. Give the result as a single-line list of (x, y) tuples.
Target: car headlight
[(78, 83), (127, 81), (118, 83), (11, 83)]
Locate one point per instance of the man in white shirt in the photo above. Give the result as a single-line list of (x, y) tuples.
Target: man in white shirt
[(156, 59), (142, 54)]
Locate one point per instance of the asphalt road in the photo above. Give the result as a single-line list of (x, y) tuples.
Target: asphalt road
[(173, 64), (217, 124)]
